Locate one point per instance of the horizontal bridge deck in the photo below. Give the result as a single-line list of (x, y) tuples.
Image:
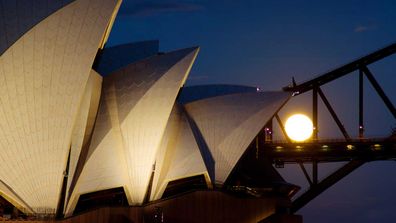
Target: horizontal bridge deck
[(333, 150)]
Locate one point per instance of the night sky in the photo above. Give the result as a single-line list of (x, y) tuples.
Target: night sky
[(264, 44)]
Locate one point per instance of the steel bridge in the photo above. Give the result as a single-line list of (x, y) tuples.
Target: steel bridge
[(355, 151)]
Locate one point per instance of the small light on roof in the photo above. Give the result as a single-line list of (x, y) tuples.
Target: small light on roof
[(376, 147), (350, 147), (299, 147), (278, 148)]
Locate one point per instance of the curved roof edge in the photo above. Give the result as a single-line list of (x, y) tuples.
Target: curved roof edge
[(20, 16), (179, 155), (147, 87), (234, 121), (116, 57), (9, 194), (198, 92)]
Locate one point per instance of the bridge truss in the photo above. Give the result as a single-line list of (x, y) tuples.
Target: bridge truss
[(355, 152)]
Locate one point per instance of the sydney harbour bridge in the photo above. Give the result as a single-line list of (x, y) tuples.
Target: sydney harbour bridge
[(355, 151)]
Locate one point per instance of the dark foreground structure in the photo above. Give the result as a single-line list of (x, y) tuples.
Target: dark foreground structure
[(110, 134), (197, 206)]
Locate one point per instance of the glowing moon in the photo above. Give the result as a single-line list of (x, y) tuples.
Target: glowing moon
[(299, 127)]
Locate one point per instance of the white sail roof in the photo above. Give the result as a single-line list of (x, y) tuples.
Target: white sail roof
[(19, 16), (179, 155), (42, 80), (229, 123), (84, 123), (136, 103)]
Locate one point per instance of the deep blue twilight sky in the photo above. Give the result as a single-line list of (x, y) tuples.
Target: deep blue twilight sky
[(265, 43)]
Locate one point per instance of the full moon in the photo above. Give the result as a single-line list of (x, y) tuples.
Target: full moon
[(299, 127)]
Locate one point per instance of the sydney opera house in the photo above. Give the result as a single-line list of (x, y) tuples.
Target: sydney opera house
[(91, 133)]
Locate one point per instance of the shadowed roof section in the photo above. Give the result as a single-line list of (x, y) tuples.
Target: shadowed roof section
[(179, 155), (193, 93), (83, 127), (229, 123), (117, 57), (19, 16)]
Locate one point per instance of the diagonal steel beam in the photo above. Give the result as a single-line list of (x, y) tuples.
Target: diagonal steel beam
[(379, 90), (282, 127), (326, 183), (333, 114), (305, 173), (341, 71)]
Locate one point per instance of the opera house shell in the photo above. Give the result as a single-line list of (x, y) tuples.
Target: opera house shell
[(77, 117)]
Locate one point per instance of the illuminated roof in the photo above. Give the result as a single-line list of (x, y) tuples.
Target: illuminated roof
[(229, 123), (43, 74), (101, 118), (136, 103), (179, 155), (18, 17)]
